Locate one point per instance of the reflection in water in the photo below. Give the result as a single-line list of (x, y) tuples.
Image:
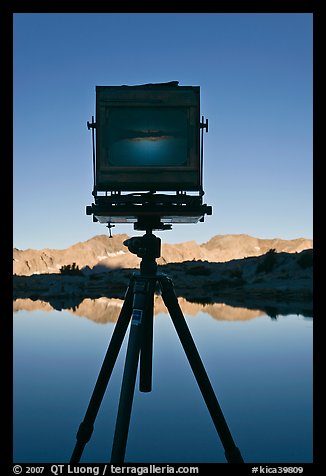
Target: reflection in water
[(260, 370), (103, 310)]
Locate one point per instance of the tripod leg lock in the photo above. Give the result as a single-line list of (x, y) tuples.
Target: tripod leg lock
[(84, 432), (137, 316)]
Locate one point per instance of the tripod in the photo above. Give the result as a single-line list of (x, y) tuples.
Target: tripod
[(138, 304)]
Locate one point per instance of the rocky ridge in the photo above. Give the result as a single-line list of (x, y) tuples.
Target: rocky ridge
[(102, 252)]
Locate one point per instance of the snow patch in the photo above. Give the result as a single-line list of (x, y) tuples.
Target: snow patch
[(111, 255)]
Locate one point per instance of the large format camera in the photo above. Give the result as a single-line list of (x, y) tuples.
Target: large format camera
[(148, 156)]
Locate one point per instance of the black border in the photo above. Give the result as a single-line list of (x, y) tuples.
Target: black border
[(6, 32)]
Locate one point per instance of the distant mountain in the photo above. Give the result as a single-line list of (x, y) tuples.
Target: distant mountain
[(101, 252)]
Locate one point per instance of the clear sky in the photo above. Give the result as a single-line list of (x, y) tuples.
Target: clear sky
[(255, 75)]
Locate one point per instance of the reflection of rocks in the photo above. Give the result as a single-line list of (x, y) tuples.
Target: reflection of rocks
[(100, 310), (29, 305), (105, 310), (223, 312), (271, 303), (219, 311)]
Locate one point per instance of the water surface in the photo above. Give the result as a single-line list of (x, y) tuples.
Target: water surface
[(260, 369)]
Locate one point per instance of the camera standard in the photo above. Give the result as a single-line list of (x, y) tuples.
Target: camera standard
[(148, 157)]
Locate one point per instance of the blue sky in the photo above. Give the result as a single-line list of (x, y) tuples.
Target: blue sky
[(255, 74)]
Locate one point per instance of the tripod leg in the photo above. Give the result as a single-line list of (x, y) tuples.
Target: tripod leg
[(86, 427), (146, 351), (130, 371), (232, 453)]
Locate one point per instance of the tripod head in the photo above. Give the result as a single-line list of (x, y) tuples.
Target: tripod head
[(147, 247)]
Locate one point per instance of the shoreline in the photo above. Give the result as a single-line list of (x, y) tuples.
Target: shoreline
[(252, 283)]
